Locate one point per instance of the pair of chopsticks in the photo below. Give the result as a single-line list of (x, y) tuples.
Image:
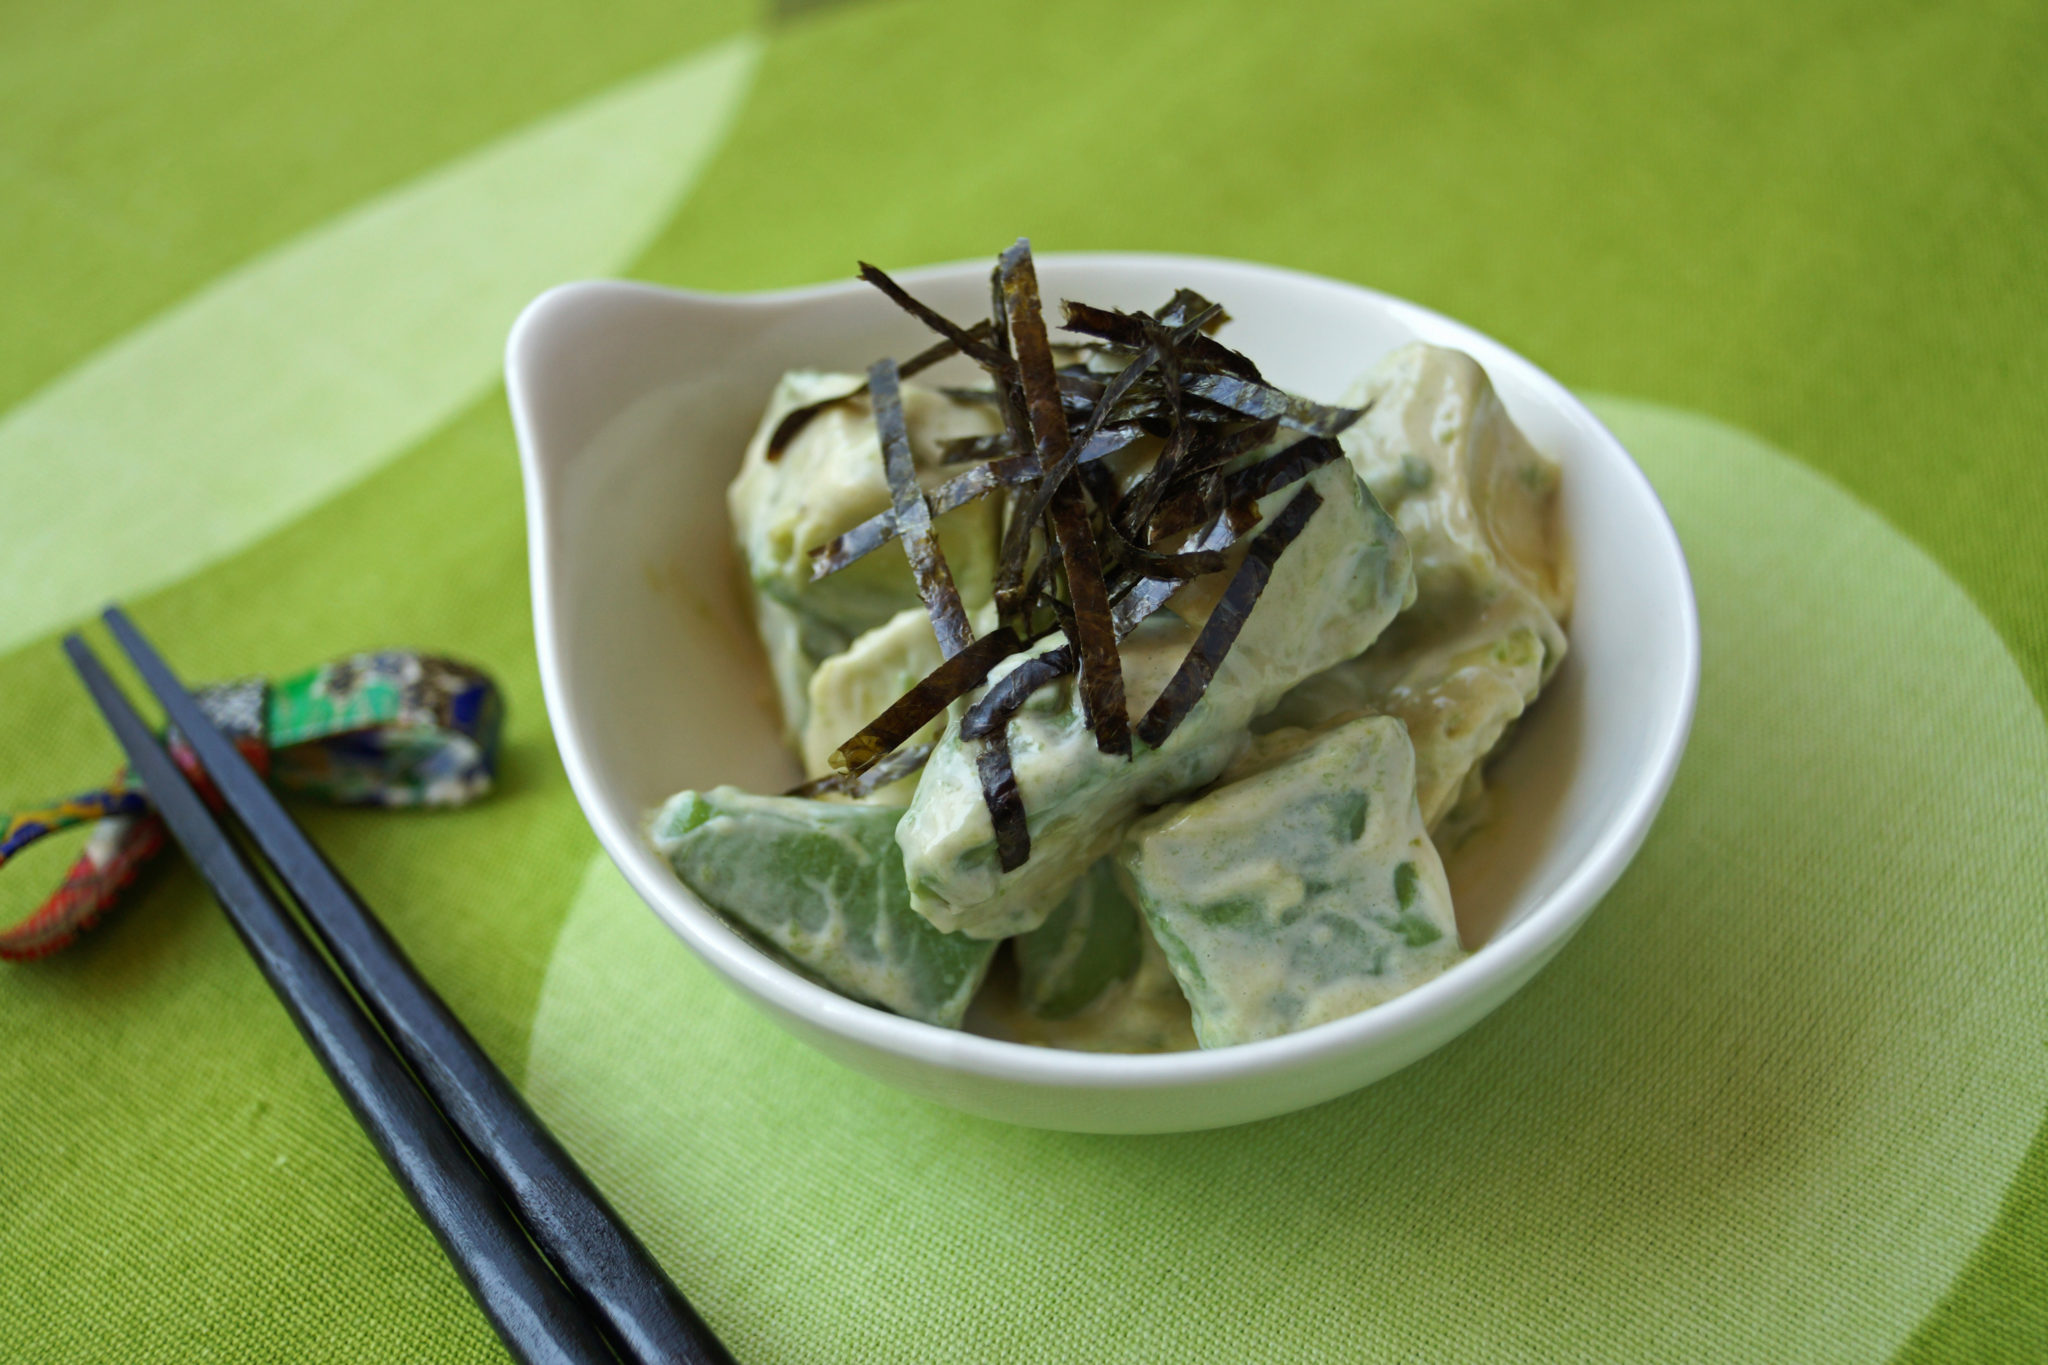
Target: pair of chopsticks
[(482, 1170)]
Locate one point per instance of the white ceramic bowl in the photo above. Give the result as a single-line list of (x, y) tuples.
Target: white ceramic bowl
[(633, 405)]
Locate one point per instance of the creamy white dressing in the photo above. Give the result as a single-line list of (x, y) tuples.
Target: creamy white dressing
[(829, 479), (1330, 595), (1478, 506), (825, 482), (851, 688), (1299, 892)]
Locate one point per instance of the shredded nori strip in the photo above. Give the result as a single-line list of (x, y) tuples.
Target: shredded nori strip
[(1094, 639), (1025, 518), (1150, 594), (1093, 631), (1008, 472), (1076, 385), (1187, 510), (1107, 440), (898, 765), (918, 707), (879, 529), (1220, 631), (1160, 351), (1099, 484), (1255, 399), (1186, 303), (1056, 470), (1191, 485), (1005, 804), (1037, 593), (1282, 468), (988, 398), (964, 339), (1211, 450), (914, 515), (988, 719), (1007, 694), (1145, 497), (1008, 390), (1079, 554), (968, 449), (1128, 330), (1144, 562), (796, 419)]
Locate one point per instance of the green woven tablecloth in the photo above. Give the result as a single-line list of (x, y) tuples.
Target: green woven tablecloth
[(1782, 1100)]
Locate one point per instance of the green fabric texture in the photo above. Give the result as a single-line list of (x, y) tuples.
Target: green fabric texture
[(346, 346), (1784, 1097)]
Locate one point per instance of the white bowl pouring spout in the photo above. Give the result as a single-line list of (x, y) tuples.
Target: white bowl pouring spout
[(633, 405)]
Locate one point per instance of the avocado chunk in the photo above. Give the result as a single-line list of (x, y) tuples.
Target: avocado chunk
[(822, 883), (1302, 888), (859, 683), (825, 482), (1458, 693), (1329, 597), (829, 479), (1478, 506)]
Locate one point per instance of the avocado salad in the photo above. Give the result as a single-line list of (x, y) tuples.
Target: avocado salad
[(1136, 695)]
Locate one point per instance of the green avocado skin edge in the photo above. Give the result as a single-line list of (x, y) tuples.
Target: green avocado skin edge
[(821, 883)]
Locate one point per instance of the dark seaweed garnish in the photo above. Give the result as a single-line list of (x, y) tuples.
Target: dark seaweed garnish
[(1220, 631), (968, 449), (1009, 570), (914, 515), (1007, 695), (964, 339), (1082, 554), (1127, 330), (1148, 595), (796, 419), (1255, 399), (898, 765), (915, 709), (958, 491), (1241, 488), (1208, 449), (1094, 634), (1010, 471), (1177, 568), (1276, 471), (1005, 804)]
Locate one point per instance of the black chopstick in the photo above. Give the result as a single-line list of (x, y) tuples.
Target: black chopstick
[(591, 1247), (534, 1314)]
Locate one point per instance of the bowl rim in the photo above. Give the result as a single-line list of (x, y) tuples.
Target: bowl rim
[(1539, 931)]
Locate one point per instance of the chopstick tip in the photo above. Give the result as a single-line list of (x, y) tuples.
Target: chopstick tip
[(86, 664)]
